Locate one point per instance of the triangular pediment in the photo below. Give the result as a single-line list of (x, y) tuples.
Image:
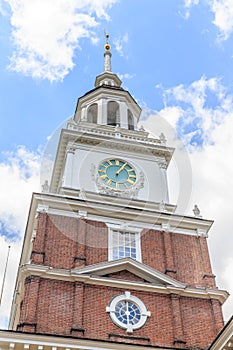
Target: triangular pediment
[(129, 269)]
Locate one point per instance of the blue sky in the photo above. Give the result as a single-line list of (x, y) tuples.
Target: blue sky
[(175, 58)]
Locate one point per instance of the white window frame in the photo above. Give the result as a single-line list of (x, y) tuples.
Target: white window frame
[(144, 313), (135, 231)]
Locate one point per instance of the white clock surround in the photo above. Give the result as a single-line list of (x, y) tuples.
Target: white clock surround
[(82, 163)]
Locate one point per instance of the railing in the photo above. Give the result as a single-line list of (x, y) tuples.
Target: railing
[(105, 130)]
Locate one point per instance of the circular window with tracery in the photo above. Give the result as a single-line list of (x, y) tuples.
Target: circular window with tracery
[(128, 312)]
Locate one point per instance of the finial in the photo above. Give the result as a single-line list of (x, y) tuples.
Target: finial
[(107, 45), (45, 186), (196, 211), (107, 55)]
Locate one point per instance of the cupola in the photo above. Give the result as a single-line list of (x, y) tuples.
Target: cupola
[(108, 103)]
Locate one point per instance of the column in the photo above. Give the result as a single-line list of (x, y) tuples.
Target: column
[(123, 115), (102, 112)]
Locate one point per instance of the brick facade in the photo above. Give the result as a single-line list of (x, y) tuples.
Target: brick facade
[(67, 308), (66, 242), (79, 310)]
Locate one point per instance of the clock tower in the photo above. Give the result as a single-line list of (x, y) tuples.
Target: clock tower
[(106, 261)]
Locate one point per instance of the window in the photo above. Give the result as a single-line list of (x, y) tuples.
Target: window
[(124, 244), (113, 113), (128, 312)]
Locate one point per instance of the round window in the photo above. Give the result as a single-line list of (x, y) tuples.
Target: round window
[(128, 312)]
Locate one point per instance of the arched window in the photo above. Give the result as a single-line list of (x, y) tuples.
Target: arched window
[(113, 114), (130, 120), (92, 113)]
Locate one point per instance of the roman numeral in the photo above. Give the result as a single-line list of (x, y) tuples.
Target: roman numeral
[(130, 181)]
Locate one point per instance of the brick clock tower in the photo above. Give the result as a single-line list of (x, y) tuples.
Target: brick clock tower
[(106, 261)]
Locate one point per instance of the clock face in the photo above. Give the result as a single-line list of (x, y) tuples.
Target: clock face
[(117, 174)]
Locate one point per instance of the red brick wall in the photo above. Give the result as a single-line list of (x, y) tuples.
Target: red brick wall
[(72, 308), (174, 320), (66, 242)]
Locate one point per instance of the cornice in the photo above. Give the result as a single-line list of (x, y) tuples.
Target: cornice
[(124, 209), (21, 341), (71, 276)]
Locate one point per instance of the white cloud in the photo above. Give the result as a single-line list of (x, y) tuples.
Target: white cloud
[(188, 4), (19, 177), (203, 174), (46, 33), (223, 12), (223, 15), (120, 43), (202, 106)]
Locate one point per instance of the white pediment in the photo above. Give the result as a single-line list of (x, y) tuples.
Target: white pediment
[(143, 271)]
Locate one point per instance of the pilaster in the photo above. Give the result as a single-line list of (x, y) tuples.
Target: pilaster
[(168, 251), (80, 257), (177, 321), (37, 256), (27, 322), (68, 173), (77, 326)]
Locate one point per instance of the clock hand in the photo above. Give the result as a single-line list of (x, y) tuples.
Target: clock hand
[(121, 168)]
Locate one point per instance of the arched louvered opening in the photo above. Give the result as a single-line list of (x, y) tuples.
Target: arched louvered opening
[(113, 113), (130, 120), (92, 113)]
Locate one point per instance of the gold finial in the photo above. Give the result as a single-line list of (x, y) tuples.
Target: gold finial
[(107, 45)]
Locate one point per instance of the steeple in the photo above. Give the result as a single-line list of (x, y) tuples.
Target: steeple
[(107, 77), (107, 55)]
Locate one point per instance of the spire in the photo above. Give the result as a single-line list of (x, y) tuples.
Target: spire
[(107, 55)]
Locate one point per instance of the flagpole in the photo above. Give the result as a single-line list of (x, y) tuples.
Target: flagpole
[(4, 276)]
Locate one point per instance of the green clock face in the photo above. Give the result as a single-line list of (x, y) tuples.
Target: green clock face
[(117, 174)]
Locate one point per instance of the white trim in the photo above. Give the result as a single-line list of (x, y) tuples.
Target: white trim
[(137, 268), (71, 275), (51, 342), (225, 337), (140, 225)]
